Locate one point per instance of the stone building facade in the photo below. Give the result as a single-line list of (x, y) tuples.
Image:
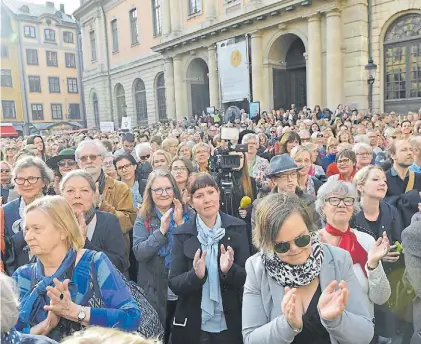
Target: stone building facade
[(300, 51)]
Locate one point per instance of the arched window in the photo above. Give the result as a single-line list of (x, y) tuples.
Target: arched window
[(140, 102), (160, 96), (120, 102), (402, 61), (96, 110)]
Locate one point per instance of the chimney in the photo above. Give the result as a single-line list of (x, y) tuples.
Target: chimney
[(49, 4), (62, 8)]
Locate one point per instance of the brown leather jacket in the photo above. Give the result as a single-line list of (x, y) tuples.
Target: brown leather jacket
[(117, 200)]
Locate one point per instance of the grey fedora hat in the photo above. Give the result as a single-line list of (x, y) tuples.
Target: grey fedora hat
[(280, 164)]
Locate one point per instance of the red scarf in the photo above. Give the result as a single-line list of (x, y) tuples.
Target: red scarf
[(341, 177), (350, 243)]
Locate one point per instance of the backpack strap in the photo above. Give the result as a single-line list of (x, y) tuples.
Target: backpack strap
[(411, 182)]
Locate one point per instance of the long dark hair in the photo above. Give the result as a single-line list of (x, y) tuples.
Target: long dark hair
[(31, 140)]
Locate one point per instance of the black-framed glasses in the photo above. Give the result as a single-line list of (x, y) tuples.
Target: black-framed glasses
[(68, 163), (160, 191), (343, 161), (30, 180), (145, 157), (301, 241), (335, 201), (124, 167)]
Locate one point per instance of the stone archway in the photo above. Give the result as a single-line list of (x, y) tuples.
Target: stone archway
[(288, 64), (197, 79)]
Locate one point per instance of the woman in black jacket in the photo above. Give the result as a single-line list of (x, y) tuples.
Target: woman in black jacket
[(102, 231), (376, 217), (205, 273)]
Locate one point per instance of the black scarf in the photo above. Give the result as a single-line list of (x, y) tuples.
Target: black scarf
[(89, 215)]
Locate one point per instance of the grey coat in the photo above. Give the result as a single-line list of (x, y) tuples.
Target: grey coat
[(152, 274), (411, 240), (264, 322)]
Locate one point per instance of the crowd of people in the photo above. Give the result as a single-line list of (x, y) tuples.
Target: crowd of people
[(132, 236)]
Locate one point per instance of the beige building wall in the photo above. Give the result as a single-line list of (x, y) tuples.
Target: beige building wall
[(334, 34)]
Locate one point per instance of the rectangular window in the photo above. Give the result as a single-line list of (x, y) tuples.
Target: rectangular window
[(133, 26), (114, 34), (52, 60), (32, 57), (70, 60), (4, 51), (195, 6), (9, 110), (56, 111), (72, 85), (74, 111), (54, 84), (157, 17), (37, 112), (29, 31), (68, 37), (34, 83), (50, 35), (93, 45), (6, 78)]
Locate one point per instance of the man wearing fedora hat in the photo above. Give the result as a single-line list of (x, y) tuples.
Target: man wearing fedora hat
[(283, 172)]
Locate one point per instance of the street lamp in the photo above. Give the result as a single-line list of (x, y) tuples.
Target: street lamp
[(371, 68)]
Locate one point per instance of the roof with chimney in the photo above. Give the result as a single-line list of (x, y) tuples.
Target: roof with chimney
[(36, 11)]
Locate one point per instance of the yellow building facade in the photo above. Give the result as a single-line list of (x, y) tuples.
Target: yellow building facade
[(49, 64)]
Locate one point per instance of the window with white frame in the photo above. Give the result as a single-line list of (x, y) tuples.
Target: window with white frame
[(37, 112), (9, 109), (68, 37), (70, 60), (50, 35), (74, 111), (157, 17), (133, 26), (195, 6), (72, 85), (54, 84), (34, 83), (56, 111), (52, 60), (6, 78), (29, 31), (114, 35), (32, 57)]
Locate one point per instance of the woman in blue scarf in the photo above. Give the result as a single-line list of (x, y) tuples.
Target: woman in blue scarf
[(207, 271), (68, 286), (160, 215)]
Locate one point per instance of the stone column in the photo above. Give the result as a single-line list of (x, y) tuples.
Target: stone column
[(175, 15), (166, 18), (334, 84), (257, 65), (179, 87), (213, 77), (169, 87), (314, 71)]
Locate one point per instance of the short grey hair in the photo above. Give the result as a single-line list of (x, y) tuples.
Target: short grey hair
[(271, 213), (340, 187), (9, 303), (249, 136), (78, 173), (362, 139), (47, 174), (362, 146), (91, 143), (141, 147), (304, 132)]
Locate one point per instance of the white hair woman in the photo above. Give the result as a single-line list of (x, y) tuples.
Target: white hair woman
[(336, 203), (56, 293), (299, 290), (257, 165), (10, 314), (31, 177)]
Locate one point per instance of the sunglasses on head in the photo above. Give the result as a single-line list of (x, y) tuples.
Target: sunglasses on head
[(301, 241)]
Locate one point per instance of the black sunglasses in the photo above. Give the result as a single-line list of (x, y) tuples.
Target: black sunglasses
[(301, 241)]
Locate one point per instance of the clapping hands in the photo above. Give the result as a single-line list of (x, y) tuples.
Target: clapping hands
[(332, 302), (378, 251), (292, 309)]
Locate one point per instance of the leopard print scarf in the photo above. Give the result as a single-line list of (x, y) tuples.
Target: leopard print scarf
[(296, 275)]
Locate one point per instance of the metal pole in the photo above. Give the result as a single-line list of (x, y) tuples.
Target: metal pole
[(370, 56), (370, 97)]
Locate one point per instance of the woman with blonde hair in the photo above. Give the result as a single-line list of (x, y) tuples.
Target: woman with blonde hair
[(170, 145), (201, 154), (161, 160), (58, 292)]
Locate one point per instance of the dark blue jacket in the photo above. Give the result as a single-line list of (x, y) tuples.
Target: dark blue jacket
[(11, 214), (108, 238)]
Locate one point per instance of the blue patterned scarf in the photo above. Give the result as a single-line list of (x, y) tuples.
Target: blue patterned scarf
[(211, 292), (165, 251), (32, 304)]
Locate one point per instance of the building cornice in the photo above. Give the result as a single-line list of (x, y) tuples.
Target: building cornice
[(235, 26)]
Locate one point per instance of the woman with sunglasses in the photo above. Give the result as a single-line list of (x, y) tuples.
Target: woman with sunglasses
[(299, 290), (207, 271), (337, 203), (158, 218), (61, 164)]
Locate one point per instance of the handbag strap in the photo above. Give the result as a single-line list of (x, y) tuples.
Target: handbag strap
[(411, 182)]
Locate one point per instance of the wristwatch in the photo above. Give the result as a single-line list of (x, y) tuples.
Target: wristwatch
[(82, 314)]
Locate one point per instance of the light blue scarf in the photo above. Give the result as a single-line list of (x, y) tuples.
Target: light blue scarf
[(211, 292)]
